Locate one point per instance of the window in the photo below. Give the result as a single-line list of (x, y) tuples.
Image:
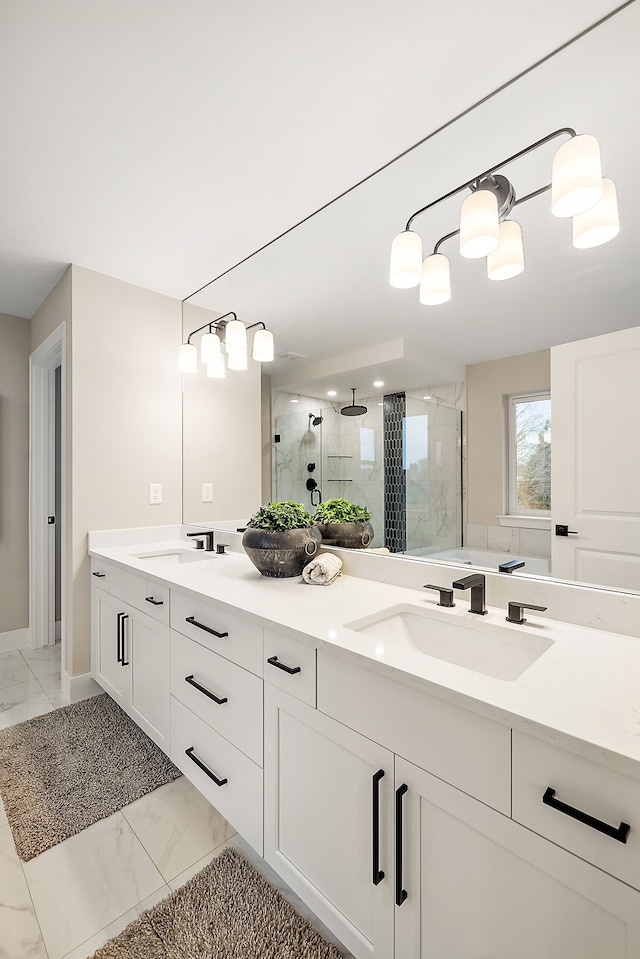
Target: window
[(529, 454)]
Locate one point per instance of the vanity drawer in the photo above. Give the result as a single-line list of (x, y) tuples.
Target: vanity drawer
[(239, 717), (588, 787), (145, 594), (290, 665), (100, 574), (460, 747), (225, 633), (239, 798)]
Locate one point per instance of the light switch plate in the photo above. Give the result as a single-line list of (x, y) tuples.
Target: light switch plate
[(207, 492), (155, 494)]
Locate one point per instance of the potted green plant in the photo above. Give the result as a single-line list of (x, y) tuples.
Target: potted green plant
[(281, 538), (343, 523)]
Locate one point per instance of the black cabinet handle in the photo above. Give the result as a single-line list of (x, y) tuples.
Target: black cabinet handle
[(119, 637), (194, 759), (123, 661), (273, 661), (99, 575), (378, 874), (217, 699), (207, 629), (154, 602), (620, 832), (401, 894)]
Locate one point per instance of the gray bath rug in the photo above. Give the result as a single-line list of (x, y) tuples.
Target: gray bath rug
[(227, 911), (65, 770)]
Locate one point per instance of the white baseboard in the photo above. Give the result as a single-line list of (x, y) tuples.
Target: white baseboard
[(15, 639), (75, 688)]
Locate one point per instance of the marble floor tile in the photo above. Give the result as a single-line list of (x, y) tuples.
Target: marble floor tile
[(52, 686), (86, 882), (3, 815), (197, 866), (29, 691), (42, 662), (13, 669), (20, 936), (20, 712), (89, 946), (177, 826)]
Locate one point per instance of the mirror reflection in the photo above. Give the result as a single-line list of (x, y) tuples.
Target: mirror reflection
[(461, 378)]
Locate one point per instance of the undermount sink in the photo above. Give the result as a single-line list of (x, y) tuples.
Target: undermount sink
[(172, 557), (487, 648)]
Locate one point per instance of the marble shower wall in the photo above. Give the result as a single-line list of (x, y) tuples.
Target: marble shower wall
[(349, 457)]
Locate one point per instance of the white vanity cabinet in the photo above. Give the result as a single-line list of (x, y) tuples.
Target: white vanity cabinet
[(130, 648)]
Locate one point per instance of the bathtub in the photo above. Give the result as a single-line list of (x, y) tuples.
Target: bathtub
[(491, 560)]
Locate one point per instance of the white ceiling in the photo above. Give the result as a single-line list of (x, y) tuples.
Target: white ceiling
[(162, 143)]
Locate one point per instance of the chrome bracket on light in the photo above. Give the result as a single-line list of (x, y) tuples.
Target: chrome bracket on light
[(502, 189)]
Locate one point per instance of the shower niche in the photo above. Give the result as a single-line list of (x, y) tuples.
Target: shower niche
[(399, 455)]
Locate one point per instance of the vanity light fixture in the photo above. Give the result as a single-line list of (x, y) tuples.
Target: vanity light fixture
[(578, 190), (234, 335)]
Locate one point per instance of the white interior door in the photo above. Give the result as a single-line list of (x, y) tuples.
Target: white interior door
[(595, 469)]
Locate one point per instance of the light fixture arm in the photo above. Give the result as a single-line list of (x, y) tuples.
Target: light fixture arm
[(472, 184), (214, 324)]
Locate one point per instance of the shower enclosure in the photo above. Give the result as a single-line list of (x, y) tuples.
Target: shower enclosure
[(402, 459)]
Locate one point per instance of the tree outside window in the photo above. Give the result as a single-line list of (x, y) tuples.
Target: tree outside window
[(530, 454)]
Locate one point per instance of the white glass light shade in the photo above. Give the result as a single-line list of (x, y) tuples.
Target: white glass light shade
[(209, 347), (216, 367), (263, 346), (237, 360), (188, 359), (576, 176), (435, 286), (599, 224), (405, 268), (508, 259), (479, 225), (235, 337)]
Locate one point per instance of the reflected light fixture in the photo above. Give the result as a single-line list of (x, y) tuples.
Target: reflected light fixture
[(578, 190), (234, 335)]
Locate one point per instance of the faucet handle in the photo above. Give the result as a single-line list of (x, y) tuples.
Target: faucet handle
[(510, 565), (516, 611), (446, 595)]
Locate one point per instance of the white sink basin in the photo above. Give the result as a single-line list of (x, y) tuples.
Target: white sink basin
[(488, 648), (172, 557)]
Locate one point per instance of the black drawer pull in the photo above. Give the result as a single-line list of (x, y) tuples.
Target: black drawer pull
[(154, 602), (99, 575), (125, 616), (207, 629), (620, 832), (194, 759), (217, 699), (292, 670), (401, 894), (119, 637), (378, 874)]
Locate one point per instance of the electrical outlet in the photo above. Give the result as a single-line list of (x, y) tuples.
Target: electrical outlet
[(207, 492), (155, 494)]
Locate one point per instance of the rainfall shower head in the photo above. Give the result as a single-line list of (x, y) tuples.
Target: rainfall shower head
[(315, 420), (354, 409)]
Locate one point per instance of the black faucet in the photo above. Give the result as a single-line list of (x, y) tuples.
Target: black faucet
[(510, 565), (204, 539), (477, 583)]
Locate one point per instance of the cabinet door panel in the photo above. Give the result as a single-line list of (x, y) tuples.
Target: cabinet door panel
[(319, 823), (112, 676), (481, 885), (148, 649)]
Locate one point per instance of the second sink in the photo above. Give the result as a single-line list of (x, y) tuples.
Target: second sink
[(491, 649)]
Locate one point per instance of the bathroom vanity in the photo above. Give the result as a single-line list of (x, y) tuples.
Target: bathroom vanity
[(434, 785)]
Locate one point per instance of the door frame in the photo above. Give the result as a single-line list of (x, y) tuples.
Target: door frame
[(42, 365)]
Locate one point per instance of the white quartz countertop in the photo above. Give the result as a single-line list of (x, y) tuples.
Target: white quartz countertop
[(582, 693)]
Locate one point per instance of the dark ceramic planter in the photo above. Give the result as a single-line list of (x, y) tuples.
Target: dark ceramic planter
[(281, 553), (351, 535)]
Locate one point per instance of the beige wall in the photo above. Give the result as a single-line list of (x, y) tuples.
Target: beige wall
[(14, 472), (487, 385), (126, 423), (266, 439), (55, 310), (221, 436)]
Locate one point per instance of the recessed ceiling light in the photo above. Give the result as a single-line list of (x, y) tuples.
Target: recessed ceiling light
[(380, 404), (331, 393), (426, 397), (294, 399), (378, 383)]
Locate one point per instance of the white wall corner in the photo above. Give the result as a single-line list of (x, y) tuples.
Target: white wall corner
[(75, 688)]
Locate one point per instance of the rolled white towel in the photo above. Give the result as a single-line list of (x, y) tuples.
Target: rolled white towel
[(323, 570)]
